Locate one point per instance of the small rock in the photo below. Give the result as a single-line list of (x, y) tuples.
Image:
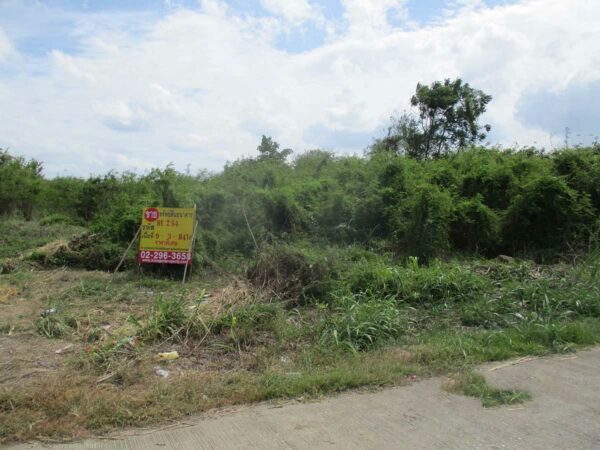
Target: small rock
[(49, 312), (162, 372), (506, 258), (65, 349)]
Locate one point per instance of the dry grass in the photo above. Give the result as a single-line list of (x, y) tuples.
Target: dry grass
[(67, 406), (235, 346), (51, 248), (237, 293), (40, 393), (108, 378), (7, 292)]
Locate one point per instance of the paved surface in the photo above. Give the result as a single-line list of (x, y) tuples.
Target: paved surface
[(564, 414)]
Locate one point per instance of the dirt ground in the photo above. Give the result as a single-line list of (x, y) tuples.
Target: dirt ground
[(563, 414), (25, 354)]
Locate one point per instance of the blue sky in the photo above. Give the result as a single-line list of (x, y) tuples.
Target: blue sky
[(89, 86), (49, 28)]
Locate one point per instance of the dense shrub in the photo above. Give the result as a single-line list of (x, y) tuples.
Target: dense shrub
[(474, 226), (20, 184), (581, 170), (478, 200), (547, 214), (290, 274), (423, 223), (488, 174)]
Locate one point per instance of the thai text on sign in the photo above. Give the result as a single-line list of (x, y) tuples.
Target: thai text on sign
[(166, 235)]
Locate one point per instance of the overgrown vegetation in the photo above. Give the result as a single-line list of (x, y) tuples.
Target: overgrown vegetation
[(313, 273), (381, 323)]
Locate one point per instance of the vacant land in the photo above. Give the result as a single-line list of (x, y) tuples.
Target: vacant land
[(80, 350), (313, 273)]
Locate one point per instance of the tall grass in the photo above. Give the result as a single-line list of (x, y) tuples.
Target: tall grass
[(167, 317), (362, 321)]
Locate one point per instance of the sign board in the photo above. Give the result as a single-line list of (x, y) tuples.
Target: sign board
[(166, 235)]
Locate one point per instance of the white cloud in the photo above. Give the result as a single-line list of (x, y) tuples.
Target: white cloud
[(293, 11), (370, 17), (5, 46), (200, 87)]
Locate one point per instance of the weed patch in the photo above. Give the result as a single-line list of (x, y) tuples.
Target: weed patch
[(431, 285), (166, 318), (472, 384), (380, 324), (362, 321), (53, 325)]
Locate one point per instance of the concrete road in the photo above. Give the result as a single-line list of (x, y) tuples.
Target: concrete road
[(564, 414)]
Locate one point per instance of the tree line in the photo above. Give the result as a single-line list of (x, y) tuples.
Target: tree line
[(427, 189)]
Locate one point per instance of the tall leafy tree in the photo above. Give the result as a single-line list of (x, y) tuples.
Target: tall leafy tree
[(446, 120), (269, 150), (20, 184)]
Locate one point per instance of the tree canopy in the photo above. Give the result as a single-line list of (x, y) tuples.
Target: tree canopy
[(269, 150), (446, 119)]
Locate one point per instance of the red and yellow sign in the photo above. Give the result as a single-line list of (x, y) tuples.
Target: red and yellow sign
[(166, 235)]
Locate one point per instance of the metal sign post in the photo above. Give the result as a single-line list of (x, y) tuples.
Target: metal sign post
[(191, 248)]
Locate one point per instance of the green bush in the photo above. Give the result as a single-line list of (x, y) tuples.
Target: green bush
[(581, 170), (21, 183), (478, 200), (547, 214), (487, 173), (423, 223), (474, 227)]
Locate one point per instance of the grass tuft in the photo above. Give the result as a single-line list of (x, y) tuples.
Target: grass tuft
[(166, 318), (475, 385), (55, 325)]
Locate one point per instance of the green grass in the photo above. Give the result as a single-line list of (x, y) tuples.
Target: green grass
[(360, 322), (475, 385), (166, 318), (55, 325), (398, 322), (19, 236), (139, 399)]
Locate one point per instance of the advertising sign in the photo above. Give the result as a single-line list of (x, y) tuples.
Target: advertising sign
[(166, 235)]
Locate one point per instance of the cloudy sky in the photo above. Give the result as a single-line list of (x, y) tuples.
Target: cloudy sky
[(89, 86)]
